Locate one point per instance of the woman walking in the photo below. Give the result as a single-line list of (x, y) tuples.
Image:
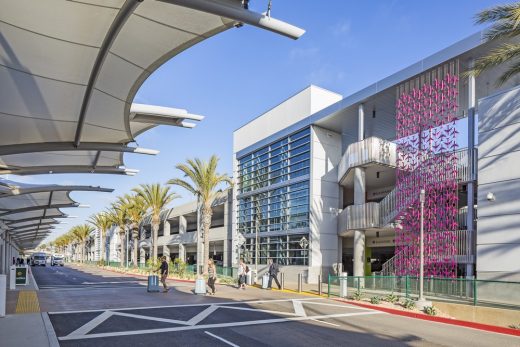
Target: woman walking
[(212, 276), (242, 275)]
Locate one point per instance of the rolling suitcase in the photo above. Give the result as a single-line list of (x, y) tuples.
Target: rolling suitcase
[(153, 284)]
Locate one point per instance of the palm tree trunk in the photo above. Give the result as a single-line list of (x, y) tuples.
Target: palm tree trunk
[(123, 247), (206, 224), (155, 229), (84, 244), (103, 246), (135, 235)]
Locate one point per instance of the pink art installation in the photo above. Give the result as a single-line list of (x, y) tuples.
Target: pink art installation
[(426, 160)]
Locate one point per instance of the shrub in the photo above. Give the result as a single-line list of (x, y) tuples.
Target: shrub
[(179, 267), (409, 304), (515, 326), (430, 310), (357, 295), (392, 298), (375, 300)]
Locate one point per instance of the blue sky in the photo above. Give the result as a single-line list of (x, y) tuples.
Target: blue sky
[(237, 75)]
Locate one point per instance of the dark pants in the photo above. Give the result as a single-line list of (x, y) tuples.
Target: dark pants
[(275, 277), (163, 280), (211, 284)]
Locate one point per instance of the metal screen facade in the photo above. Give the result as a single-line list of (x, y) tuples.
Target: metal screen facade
[(426, 136)]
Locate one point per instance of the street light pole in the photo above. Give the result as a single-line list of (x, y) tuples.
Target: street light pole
[(422, 303)]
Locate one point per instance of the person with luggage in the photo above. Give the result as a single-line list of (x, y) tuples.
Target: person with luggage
[(242, 274), (164, 273), (212, 276), (273, 273)]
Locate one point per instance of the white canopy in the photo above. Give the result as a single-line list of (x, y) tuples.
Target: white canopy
[(29, 211), (70, 70)]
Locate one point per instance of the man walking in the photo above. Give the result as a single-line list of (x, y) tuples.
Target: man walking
[(164, 273), (273, 273)]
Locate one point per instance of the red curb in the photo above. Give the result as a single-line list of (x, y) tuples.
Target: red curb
[(478, 326)]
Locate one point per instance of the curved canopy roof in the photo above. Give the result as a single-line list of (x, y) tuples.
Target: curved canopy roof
[(69, 72), (29, 211)]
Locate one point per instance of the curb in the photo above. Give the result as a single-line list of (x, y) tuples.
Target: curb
[(457, 322), (34, 281)]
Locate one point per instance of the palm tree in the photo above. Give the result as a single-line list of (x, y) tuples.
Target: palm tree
[(155, 198), (204, 185), (505, 21), (102, 222), (82, 233), (135, 209), (118, 216)]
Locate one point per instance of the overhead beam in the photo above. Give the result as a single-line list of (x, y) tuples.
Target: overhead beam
[(32, 225), (69, 146), (21, 190), (241, 15), (40, 170), (122, 16), (40, 207), (10, 223)]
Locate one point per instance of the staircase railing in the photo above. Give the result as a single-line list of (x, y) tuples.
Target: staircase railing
[(370, 150), (381, 214), (464, 251)]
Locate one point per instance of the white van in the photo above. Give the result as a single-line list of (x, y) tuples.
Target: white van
[(57, 259), (39, 259)]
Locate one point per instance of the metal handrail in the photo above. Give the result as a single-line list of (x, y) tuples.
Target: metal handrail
[(370, 150)]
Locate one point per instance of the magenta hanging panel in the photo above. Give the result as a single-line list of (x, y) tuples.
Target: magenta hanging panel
[(426, 137)]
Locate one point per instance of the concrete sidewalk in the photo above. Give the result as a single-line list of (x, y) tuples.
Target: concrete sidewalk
[(27, 330)]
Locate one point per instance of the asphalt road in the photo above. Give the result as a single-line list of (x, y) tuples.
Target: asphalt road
[(254, 317), (64, 277)]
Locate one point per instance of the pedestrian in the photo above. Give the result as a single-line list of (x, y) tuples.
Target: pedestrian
[(242, 273), (164, 273), (212, 276), (28, 261), (17, 261), (273, 273), (22, 262)]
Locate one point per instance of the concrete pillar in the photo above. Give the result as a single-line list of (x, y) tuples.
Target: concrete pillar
[(359, 199), (166, 228), (470, 217), (226, 260), (166, 251), (182, 231)]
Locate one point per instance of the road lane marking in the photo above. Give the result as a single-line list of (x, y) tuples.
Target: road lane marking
[(221, 339), (258, 310), (188, 305), (217, 325), (298, 308), (202, 315), (86, 328), (157, 319), (320, 321)]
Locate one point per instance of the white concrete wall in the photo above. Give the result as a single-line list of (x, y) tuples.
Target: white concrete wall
[(498, 225), (298, 107), (324, 201)]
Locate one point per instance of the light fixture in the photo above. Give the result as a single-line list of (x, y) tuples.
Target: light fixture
[(490, 196)]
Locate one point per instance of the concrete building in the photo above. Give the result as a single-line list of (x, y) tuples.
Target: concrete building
[(177, 234), (326, 183)]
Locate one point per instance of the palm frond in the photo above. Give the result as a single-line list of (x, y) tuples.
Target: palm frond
[(496, 57), (511, 71)]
